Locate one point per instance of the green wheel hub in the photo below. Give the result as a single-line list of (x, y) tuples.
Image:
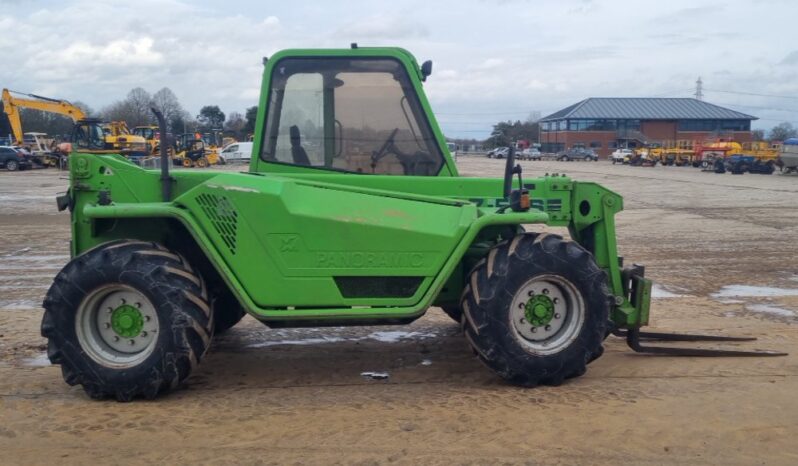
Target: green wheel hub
[(127, 321), (539, 310)]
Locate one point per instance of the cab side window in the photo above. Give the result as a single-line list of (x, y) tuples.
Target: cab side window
[(358, 115)]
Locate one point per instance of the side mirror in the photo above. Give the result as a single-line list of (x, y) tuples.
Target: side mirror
[(426, 69)]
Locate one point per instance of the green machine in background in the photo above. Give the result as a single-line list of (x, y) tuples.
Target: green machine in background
[(352, 213)]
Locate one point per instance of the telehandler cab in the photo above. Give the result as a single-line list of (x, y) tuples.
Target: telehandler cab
[(352, 213)]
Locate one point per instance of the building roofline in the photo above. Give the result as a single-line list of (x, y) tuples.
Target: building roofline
[(570, 110)]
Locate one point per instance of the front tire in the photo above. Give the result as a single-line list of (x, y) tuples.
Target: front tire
[(12, 165), (127, 319), (536, 310)]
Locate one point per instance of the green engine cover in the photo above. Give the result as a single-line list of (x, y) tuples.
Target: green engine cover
[(287, 242)]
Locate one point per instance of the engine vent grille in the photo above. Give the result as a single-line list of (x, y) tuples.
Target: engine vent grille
[(223, 216)]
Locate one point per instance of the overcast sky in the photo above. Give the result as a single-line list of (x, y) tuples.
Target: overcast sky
[(500, 59)]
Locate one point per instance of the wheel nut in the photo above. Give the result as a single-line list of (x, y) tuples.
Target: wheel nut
[(521, 305), (110, 310), (132, 342), (530, 293), (116, 338), (534, 329), (107, 325), (548, 327), (521, 320), (138, 304), (147, 318), (545, 291), (556, 316), (556, 300), (123, 300), (143, 334)]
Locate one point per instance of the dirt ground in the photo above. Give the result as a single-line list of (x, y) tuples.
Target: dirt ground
[(723, 250)]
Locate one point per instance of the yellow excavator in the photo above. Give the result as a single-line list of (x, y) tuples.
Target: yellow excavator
[(89, 134)]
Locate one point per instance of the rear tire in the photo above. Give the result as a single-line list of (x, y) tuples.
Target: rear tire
[(553, 282), (12, 165), (127, 319)]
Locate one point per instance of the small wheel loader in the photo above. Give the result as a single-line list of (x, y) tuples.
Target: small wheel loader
[(351, 213)]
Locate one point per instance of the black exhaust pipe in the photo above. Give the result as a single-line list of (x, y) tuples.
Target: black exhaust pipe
[(166, 180), (508, 172)]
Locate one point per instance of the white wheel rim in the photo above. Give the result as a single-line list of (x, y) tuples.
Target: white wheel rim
[(97, 335), (562, 328)]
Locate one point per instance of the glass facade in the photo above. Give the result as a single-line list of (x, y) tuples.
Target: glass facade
[(582, 124), (714, 125)]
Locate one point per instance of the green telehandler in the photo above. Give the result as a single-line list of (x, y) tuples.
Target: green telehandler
[(351, 213)]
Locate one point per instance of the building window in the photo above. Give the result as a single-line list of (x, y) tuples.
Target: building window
[(714, 125), (595, 144), (578, 145), (612, 145), (629, 125)]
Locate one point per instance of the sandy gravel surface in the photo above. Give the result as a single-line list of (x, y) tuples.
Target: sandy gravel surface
[(723, 250)]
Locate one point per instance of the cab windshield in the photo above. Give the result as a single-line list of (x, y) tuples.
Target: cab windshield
[(356, 115)]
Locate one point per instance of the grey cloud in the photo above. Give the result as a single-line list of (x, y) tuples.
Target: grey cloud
[(790, 59), (491, 56)]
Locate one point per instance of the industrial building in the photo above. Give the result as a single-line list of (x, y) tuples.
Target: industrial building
[(605, 124)]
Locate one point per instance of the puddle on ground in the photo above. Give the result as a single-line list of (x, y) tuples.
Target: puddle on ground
[(38, 361), (747, 291), (23, 286), (306, 341), (659, 291), (769, 309), (60, 258), (393, 337), (19, 305), (384, 337)]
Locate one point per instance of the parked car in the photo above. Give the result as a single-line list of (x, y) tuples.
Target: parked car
[(237, 152), (530, 153), (499, 153), (578, 153), (621, 155), (14, 158)]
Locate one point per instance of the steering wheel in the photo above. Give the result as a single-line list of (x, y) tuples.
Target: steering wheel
[(376, 156)]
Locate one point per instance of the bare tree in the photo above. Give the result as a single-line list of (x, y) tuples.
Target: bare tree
[(166, 101), (134, 109), (235, 123), (139, 102), (783, 131)]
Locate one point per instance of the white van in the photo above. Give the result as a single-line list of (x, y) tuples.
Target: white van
[(237, 152)]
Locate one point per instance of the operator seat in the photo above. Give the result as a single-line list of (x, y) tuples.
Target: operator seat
[(297, 152)]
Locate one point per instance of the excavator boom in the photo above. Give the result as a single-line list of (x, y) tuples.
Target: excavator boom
[(11, 106)]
